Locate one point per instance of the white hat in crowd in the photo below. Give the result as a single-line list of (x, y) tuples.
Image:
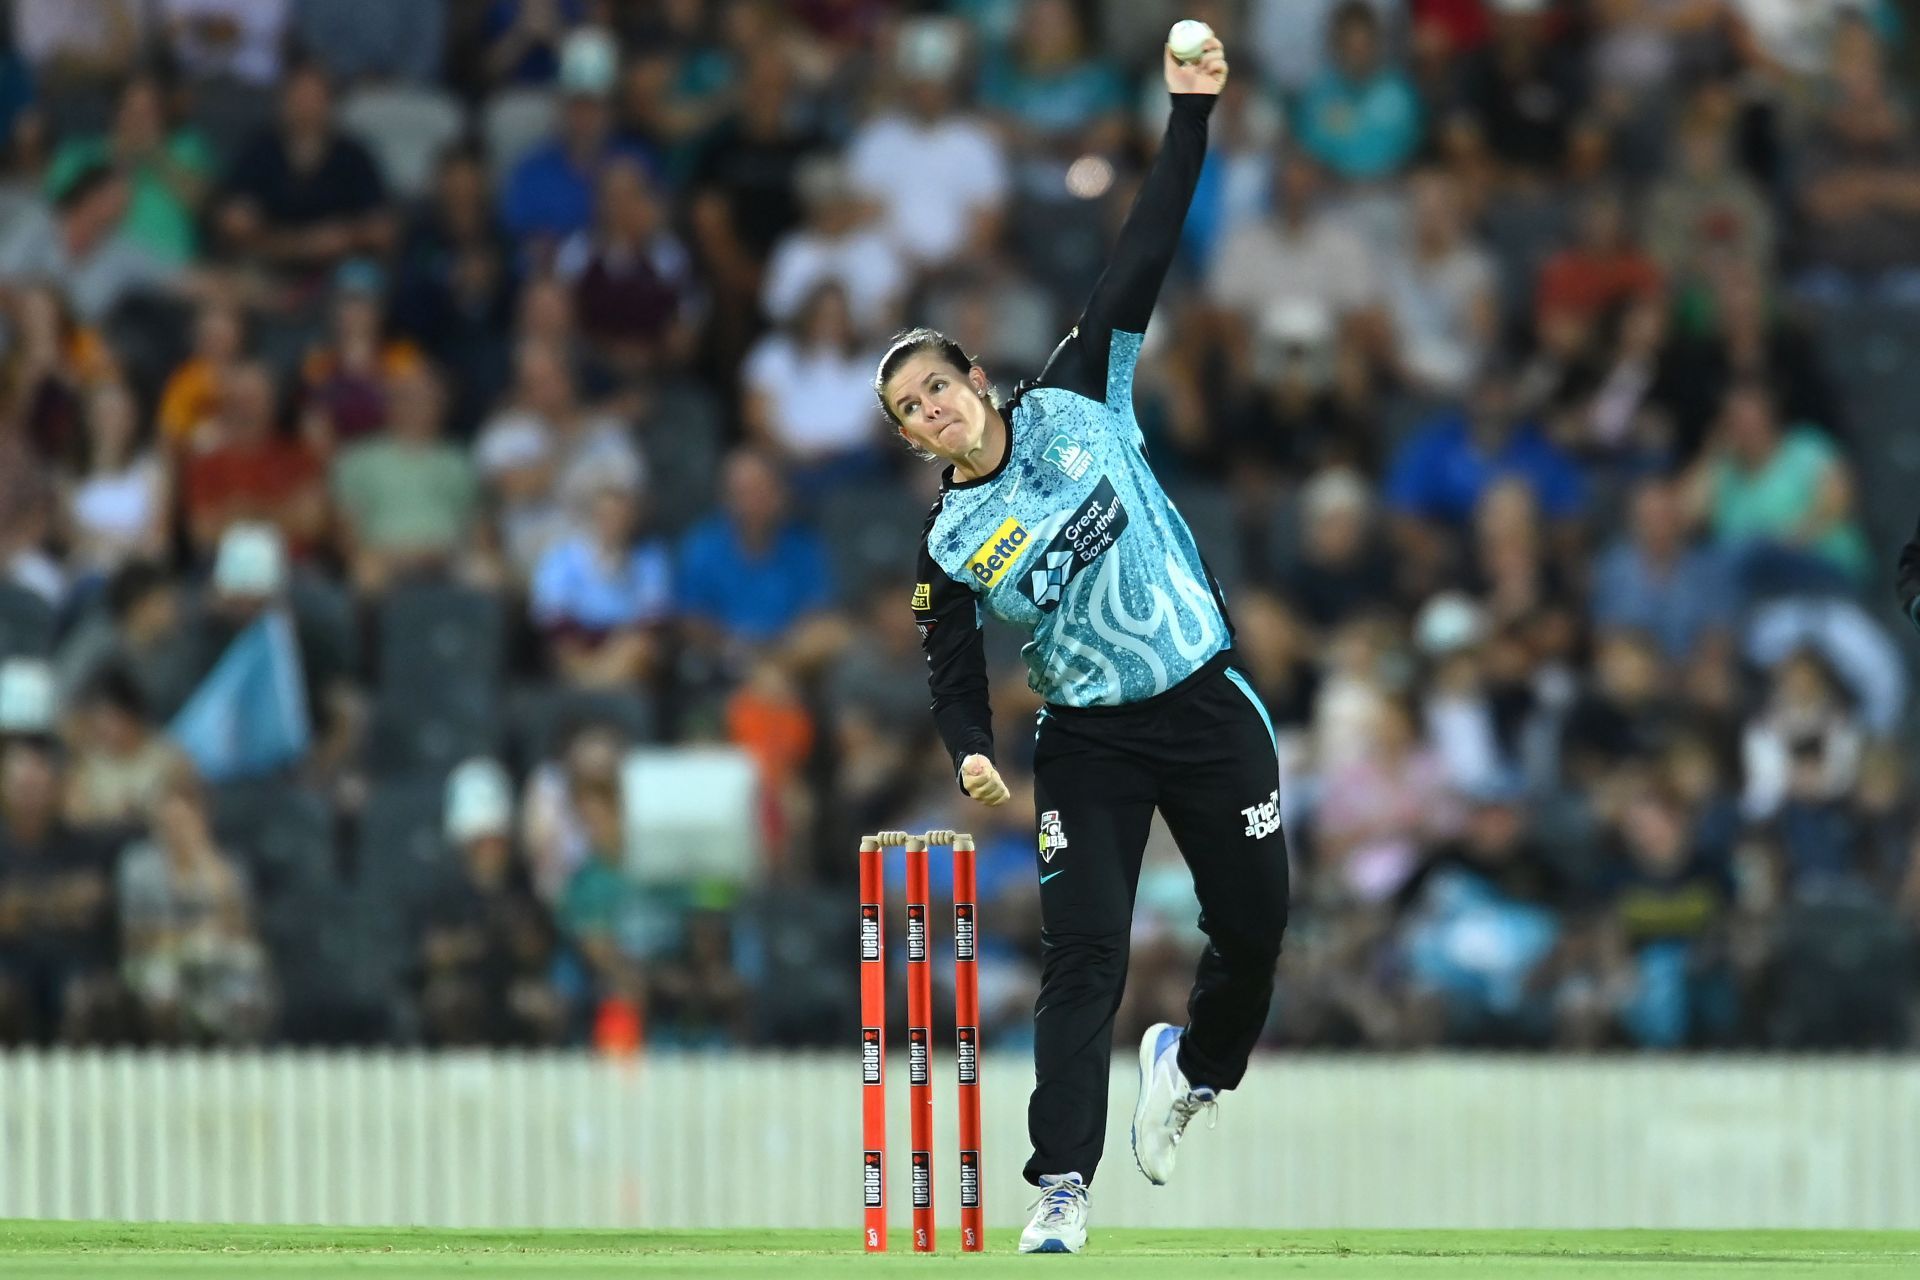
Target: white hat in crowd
[(589, 62), (1447, 623), (479, 801), (27, 704), (251, 561)]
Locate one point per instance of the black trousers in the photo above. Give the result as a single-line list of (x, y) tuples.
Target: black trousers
[(1203, 754)]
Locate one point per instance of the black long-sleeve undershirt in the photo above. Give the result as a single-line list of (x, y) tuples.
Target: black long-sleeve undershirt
[(1123, 299)]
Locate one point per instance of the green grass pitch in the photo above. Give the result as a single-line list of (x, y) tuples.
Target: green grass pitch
[(73, 1249)]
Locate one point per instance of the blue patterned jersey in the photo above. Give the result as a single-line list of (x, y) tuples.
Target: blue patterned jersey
[(1071, 536)]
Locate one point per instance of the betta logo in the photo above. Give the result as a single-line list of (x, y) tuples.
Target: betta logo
[(873, 1177), (967, 1052), (997, 554), (869, 1055), (870, 932)]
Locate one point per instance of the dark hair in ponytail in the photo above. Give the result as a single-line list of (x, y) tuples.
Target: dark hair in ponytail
[(905, 345)]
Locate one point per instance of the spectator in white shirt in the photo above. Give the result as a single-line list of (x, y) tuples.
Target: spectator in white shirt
[(1301, 251), (809, 393), (241, 39), (840, 243), (939, 173)]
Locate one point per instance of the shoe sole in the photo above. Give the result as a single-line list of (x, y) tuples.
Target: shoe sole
[(1147, 1042)]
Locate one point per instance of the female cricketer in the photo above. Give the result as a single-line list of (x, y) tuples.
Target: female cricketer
[(1050, 518)]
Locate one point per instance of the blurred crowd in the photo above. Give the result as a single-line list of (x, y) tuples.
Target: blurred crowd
[(438, 455)]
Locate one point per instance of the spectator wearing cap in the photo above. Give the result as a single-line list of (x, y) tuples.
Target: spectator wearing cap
[(166, 166), (236, 39), (809, 395), (515, 459), (190, 401), (840, 242), (254, 471), (273, 653), (938, 174), (1653, 580), (121, 764), (344, 378), (633, 284), (1342, 570), (750, 573), (1360, 117), (116, 506), (302, 196), (77, 246), (56, 910), (406, 498), (487, 944), (550, 193), (188, 945), (1453, 635), (601, 595)]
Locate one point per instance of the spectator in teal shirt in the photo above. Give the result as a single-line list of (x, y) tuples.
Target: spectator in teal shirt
[(1360, 117), (166, 171)]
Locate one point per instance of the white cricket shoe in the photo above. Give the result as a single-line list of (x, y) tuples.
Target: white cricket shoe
[(1167, 1103), (1060, 1218)]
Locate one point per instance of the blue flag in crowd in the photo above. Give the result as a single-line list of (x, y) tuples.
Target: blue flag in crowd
[(249, 716)]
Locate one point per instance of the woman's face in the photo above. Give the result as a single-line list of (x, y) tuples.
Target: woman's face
[(938, 408)]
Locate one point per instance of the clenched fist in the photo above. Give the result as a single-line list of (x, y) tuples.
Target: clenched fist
[(982, 780)]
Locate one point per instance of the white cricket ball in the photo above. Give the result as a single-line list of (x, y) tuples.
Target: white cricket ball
[(1187, 38)]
